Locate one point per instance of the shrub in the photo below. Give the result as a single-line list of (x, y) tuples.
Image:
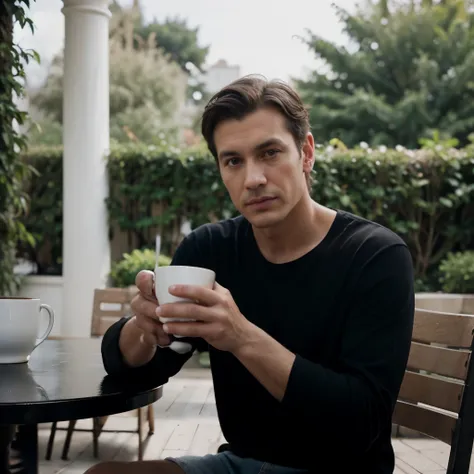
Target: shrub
[(13, 142), (426, 196), (457, 272), (123, 273), (45, 217)]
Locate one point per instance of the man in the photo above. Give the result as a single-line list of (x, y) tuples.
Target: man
[(309, 323)]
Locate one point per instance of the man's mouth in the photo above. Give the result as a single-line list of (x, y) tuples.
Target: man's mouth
[(259, 200)]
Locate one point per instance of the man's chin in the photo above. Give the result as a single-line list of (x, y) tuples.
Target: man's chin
[(264, 220)]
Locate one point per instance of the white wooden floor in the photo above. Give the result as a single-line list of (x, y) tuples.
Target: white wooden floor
[(186, 423)]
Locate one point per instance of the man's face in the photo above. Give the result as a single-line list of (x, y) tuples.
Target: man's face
[(261, 167)]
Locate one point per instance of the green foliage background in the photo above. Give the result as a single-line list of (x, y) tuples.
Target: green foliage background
[(426, 196), (13, 170), (407, 71)]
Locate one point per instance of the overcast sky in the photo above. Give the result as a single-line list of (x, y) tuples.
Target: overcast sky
[(257, 35)]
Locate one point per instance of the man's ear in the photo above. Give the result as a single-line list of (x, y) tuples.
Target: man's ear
[(308, 153)]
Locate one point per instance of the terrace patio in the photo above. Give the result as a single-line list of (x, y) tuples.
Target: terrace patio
[(186, 418), (186, 423)]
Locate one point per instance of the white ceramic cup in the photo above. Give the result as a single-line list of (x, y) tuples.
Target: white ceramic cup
[(19, 328), (182, 275)]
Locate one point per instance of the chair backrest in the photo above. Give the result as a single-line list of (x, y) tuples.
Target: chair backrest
[(436, 396), (110, 305)]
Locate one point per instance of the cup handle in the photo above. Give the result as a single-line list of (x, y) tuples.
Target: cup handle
[(50, 324)]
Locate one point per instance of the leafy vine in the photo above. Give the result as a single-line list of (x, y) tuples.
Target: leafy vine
[(13, 170)]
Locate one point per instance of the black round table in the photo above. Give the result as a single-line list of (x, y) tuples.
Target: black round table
[(63, 380)]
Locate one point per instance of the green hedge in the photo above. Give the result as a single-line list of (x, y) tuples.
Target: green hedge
[(45, 216), (457, 272), (426, 196)]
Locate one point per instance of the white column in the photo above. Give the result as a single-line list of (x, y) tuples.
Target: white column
[(86, 252)]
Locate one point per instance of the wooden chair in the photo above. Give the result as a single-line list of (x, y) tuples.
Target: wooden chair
[(437, 394), (110, 305)]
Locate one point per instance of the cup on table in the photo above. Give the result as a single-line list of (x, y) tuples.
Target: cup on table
[(19, 327), (180, 275)]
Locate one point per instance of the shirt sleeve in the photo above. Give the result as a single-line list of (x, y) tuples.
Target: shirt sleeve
[(362, 386), (166, 362)]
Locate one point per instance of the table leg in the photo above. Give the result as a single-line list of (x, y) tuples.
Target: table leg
[(7, 433), (29, 448)]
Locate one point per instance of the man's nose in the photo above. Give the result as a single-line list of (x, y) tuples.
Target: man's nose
[(255, 176)]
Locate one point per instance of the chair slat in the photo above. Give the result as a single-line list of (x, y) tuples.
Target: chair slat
[(105, 324), (104, 314), (439, 360), (431, 423), (433, 391), (443, 328)]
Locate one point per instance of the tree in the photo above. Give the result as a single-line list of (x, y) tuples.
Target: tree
[(178, 40), (408, 71), (128, 18), (174, 37), (147, 90)]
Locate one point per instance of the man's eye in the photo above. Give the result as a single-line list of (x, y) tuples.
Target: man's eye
[(272, 153), (233, 162)]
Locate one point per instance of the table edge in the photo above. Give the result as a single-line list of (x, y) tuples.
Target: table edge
[(48, 411)]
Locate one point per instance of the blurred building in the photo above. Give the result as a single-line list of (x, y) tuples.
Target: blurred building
[(214, 78), (219, 75)]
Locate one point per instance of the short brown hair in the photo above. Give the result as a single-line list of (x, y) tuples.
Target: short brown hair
[(244, 96)]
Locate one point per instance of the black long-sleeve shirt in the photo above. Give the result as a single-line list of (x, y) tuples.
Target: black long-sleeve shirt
[(345, 309)]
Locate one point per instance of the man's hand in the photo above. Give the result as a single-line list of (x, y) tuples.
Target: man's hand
[(218, 319), (222, 325), (144, 306)]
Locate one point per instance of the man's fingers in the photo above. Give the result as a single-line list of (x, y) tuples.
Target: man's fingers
[(195, 329), (153, 332), (162, 337), (185, 311), (145, 282), (142, 306), (154, 340), (204, 296), (220, 288)]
